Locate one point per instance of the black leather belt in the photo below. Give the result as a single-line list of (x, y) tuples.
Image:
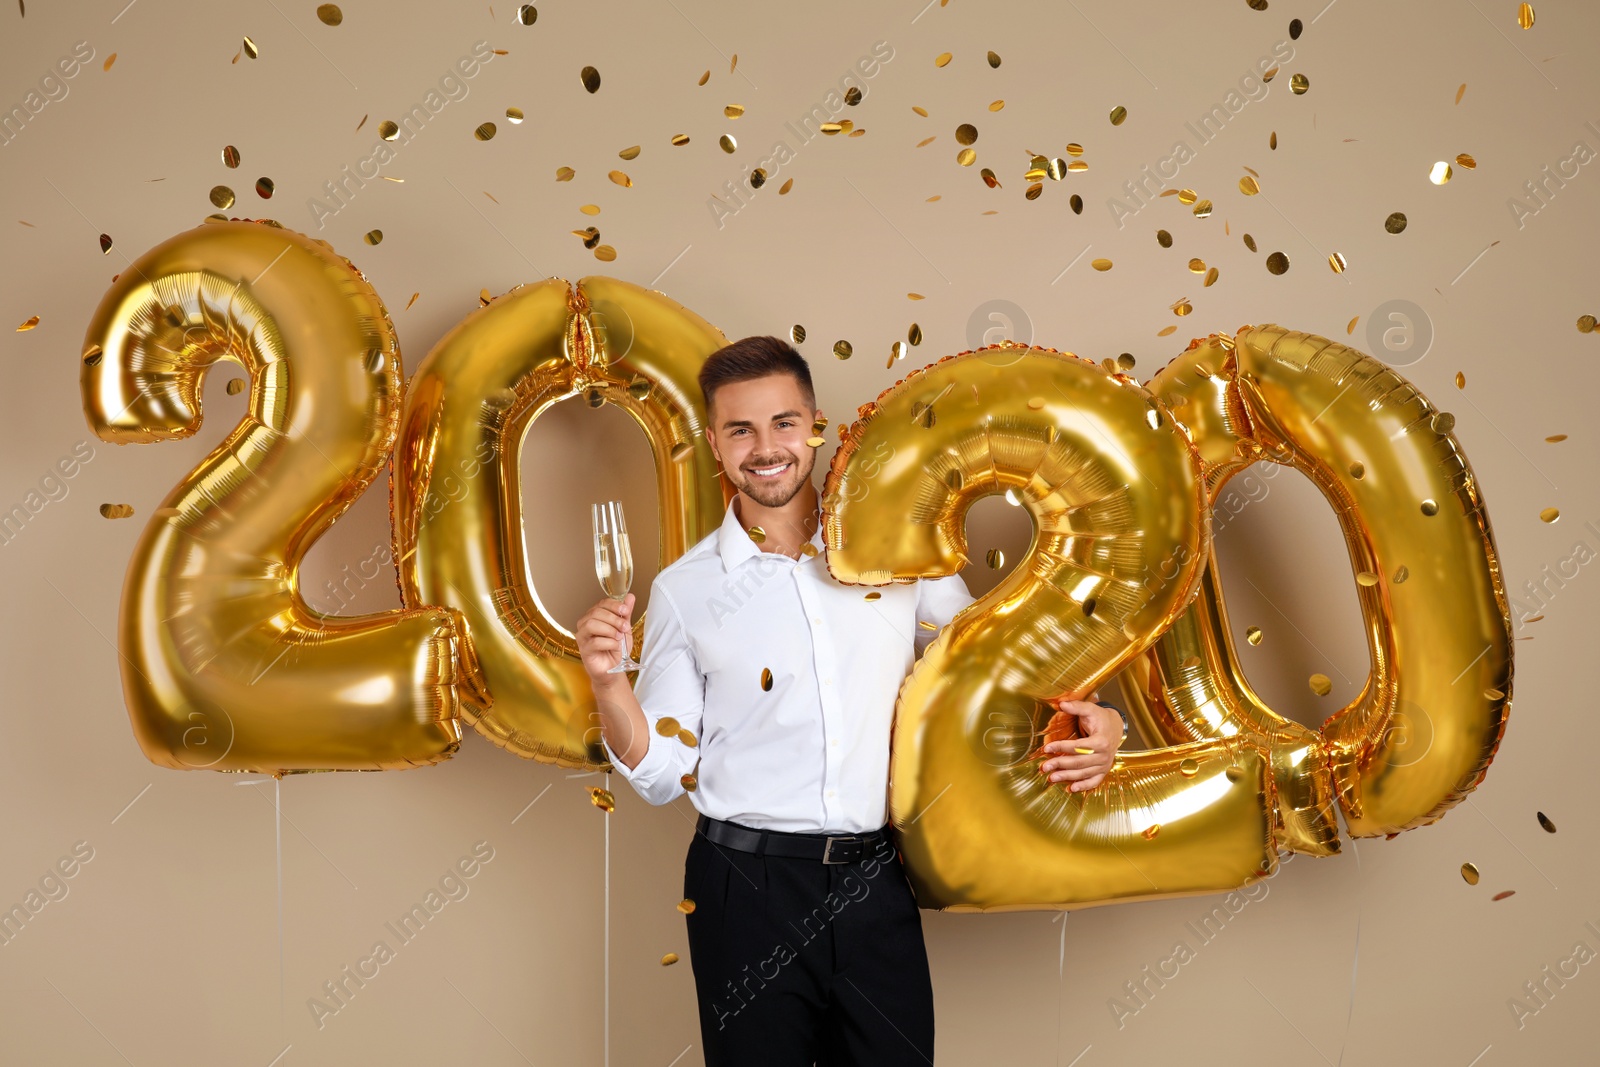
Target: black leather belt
[(829, 848)]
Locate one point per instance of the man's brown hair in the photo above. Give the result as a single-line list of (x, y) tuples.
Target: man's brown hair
[(755, 357)]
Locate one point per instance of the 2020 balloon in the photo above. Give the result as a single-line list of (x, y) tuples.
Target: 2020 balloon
[(225, 667)]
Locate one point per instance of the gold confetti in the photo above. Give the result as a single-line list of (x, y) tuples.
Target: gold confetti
[(1298, 84), (1277, 263), (1440, 173), (1525, 16), (728, 143), (590, 209), (1101, 264), (831, 128), (994, 59), (527, 14), (1119, 115), (619, 178), (733, 111), (1166, 331), (1253, 635), (1464, 160), (941, 59), (1503, 894), (921, 111), (915, 296), (1401, 574), (1202, 209), (1163, 238), (1077, 166), (1350, 328), (1549, 514), (1429, 507), (230, 157), (1461, 92), (874, 595), (373, 237), (705, 77), (1182, 307), (1249, 186), (1197, 266), (1189, 767), (413, 300), (669, 959), (1469, 872), (1211, 277), (1556, 438), (330, 14), (734, 62), (766, 679), (995, 559), (222, 197), (1366, 578), (484, 299), (105, 243), (363, 121), (1149, 832), (1587, 323), (785, 187), (264, 188), (388, 130), (914, 334), (966, 133), (116, 511), (667, 726), (1320, 684), (966, 157), (485, 132), (842, 349), (1461, 380), (1544, 821), (1336, 261), (605, 253), (590, 78), (686, 906), (690, 782), (997, 105), (112, 58), (1443, 422), (250, 48), (602, 799), (565, 174), (235, 386)]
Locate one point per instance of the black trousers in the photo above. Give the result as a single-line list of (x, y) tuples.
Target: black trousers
[(797, 962)]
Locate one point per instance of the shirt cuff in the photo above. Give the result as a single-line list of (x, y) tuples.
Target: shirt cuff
[(649, 768)]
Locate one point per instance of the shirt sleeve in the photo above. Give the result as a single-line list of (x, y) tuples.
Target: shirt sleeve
[(938, 601), (669, 684)]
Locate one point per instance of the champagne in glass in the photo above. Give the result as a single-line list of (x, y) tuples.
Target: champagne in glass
[(613, 561)]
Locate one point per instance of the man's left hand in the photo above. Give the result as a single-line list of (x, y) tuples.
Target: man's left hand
[(1100, 731)]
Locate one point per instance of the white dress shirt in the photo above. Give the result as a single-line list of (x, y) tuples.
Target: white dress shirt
[(811, 754)]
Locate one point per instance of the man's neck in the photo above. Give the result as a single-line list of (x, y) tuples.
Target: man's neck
[(784, 528)]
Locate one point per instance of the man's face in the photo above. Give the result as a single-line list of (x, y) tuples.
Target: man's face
[(759, 430)]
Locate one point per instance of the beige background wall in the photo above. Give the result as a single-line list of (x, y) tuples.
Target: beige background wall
[(173, 943)]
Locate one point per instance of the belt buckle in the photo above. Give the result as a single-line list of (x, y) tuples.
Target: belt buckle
[(827, 848)]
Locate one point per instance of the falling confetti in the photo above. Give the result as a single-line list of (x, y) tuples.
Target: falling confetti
[(1101, 264), (235, 386), (1503, 894), (602, 799), (373, 237), (112, 58), (1469, 873), (590, 78), (222, 197), (1461, 92), (565, 174), (1320, 684), (413, 300), (527, 14), (842, 349), (28, 325), (250, 48), (1119, 115), (329, 14), (729, 143), (116, 511), (1440, 173), (485, 132), (942, 59), (619, 178), (105, 243), (1549, 515), (1544, 821), (1277, 263), (1525, 16), (264, 188), (766, 679)]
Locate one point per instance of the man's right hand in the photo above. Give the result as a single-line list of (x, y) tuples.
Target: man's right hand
[(604, 632)]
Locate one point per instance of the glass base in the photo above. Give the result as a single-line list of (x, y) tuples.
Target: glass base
[(628, 664)]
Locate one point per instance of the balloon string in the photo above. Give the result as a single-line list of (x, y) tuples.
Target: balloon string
[(1061, 978), (606, 1008), (277, 812), (1355, 955)]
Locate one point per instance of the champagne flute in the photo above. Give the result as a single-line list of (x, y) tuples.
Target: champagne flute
[(613, 562)]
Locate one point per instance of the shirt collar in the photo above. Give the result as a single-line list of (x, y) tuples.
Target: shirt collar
[(735, 546)]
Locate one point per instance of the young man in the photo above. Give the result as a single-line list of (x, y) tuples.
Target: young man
[(768, 692)]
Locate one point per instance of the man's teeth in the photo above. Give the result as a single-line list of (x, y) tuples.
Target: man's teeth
[(768, 472)]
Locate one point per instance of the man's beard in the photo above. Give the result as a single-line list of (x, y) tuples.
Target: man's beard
[(776, 494)]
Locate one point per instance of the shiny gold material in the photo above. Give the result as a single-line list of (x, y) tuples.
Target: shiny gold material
[(686, 906), (602, 799), (1202, 209), (687, 737), (667, 726), (1440, 173), (669, 958), (1549, 514), (330, 14), (1163, 238), (223, 664), (994, 59), (1587, 323), (1544, 821), (116, 511), (1114, 488), (967, 156), (728, 143), (757, 534), (1119, 115), (1336, 262), (966, 133), (590, 78), (1277, 263), (841, 349), (222, 197), (230, 157), (457, 499), (941, 59), (1396, 222), (797, 333), (1298, 84), (1267, 394), (1525, 16), (1249, 186), (766, 679), (1469, 873), (690, 782), (1100, 264)]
